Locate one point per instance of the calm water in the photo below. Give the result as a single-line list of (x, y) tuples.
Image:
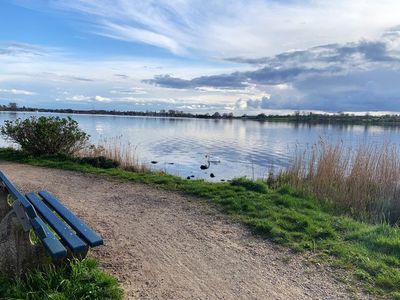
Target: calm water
[(244, 148)]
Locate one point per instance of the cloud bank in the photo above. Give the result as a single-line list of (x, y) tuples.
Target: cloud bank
[(352, 76), (241, 55)]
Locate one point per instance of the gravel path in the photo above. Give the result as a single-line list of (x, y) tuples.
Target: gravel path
[(164, 245)]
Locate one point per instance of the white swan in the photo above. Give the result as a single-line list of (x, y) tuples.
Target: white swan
[(214, 160)]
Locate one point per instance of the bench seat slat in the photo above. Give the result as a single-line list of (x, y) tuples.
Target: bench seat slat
[(66, 234), (49, 241), (84, 231)]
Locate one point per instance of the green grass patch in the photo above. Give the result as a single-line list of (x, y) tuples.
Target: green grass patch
[(78, 280), (250, 185), (371, 252)]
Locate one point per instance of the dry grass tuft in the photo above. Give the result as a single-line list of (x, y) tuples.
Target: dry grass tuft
[(363, 182), (117, 150)]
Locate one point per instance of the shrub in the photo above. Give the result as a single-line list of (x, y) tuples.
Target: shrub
[(99, 162), (46, 135)]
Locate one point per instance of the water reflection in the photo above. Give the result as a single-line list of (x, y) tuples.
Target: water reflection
[(244, 147)]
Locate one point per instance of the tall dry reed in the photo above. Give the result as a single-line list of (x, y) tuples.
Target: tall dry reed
[(362, 181), (118, 150)]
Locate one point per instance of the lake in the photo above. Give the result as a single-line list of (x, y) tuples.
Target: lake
[(244, 148)]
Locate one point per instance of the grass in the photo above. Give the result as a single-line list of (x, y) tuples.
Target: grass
[(79, 280), (362, 182), (114, 150), (285, 216)]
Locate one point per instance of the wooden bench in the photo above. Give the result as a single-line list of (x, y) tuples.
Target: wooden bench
[(60, 232)]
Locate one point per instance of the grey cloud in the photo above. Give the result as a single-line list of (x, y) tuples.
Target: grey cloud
[(356, 76), (254, 103), (245, 60), (376, 89), (60, 77), (16, 49), (223, 81), (123, 76), (290, 66), (237, 80), (391, 33), (53, 76), (357, 100), (129, 91), (279, 59), (371, 51), (274, 76), (355, 91), (77, 78), (170, 82)]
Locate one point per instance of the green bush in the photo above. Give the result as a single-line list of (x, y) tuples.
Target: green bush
[(45, 135)]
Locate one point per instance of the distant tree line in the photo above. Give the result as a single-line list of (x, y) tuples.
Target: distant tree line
[(296, 117), (161, 113), (333, 118)]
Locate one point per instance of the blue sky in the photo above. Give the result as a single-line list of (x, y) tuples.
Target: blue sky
[(201, 56)]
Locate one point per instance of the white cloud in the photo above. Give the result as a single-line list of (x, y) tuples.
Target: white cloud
[(76, 80), (102, 99), (128, 33), (240, 28), (79, 98), (129, 91), (17, 92), (82, 98)]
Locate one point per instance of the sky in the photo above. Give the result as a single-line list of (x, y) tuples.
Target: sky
[(240, 56)]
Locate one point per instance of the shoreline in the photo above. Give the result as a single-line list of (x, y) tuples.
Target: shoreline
[(282, 216), (328, 119), (163, 244)]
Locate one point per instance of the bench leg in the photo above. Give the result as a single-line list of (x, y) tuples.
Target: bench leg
[(79, 256), (17, 254)]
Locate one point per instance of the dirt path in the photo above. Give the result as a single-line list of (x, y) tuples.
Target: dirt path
[(164, 245)]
